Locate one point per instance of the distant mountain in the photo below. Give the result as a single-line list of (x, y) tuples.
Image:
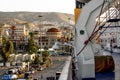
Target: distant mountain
[(37, 17)]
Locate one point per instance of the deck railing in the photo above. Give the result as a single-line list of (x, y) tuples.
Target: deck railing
[(66, 73)]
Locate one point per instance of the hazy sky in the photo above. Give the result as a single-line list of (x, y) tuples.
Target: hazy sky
[(65, 6)]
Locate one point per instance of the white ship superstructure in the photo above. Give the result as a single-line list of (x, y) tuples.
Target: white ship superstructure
[(98, 20)]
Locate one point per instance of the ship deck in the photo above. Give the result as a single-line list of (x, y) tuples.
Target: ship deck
[(115, 75)]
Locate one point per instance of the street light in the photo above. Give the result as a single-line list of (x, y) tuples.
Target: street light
[(69, 21), (40, 33)]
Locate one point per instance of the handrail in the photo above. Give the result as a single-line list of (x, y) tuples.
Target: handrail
[(107, 26), (111, 15), (66, 73)]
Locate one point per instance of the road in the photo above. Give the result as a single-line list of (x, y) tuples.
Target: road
[(2, 71), (57, 66)]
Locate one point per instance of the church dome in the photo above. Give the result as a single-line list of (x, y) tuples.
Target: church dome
[(53, 30)]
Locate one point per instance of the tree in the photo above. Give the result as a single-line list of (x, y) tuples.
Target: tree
[(31, 47), (6, 49), (37, 60), (46, 56)]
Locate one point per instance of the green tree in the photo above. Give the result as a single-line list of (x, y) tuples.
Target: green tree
[(31, 34), (6, 49), (37, 60), (45, 56), (31, 47)]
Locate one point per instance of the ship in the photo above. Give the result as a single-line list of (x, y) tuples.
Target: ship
[(96, 45)]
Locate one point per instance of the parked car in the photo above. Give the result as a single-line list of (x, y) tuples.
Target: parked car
[(28, 75), (36, 79), (20, 70), (61, 53), (40, 68), (12, 71), (9, 77), (32, 70)]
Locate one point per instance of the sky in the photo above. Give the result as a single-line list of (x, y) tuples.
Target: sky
[(64, 6)]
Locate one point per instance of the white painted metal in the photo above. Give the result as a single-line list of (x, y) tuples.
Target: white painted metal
[(86, 22)]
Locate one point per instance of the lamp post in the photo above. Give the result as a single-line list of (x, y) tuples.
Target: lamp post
[(69, 21), (70, 35), (40, 33)]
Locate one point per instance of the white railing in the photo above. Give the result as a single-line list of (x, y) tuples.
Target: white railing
[(66, 73)]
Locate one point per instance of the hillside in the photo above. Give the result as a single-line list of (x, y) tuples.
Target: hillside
[(34, 17)]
